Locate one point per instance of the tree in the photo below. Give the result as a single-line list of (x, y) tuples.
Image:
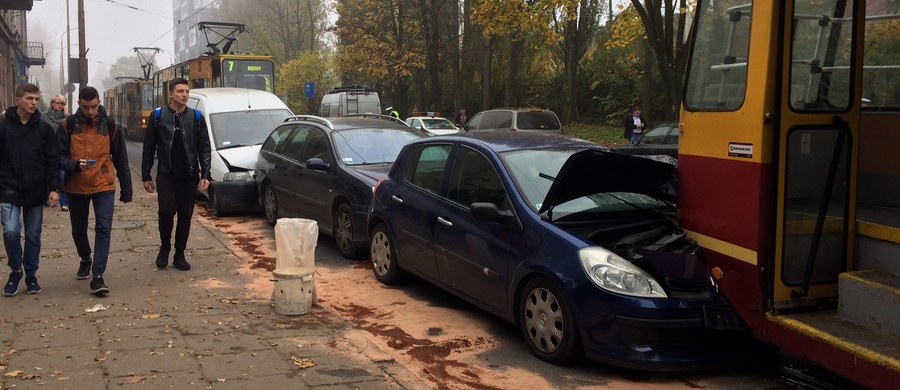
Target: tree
[(125, 66), (664, 25), (577, 22), (292, 78)]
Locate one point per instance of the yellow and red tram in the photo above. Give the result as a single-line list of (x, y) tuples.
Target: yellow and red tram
[(130, 103), (789, 175)]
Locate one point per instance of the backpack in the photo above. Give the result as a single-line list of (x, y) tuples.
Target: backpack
[(197, 114)]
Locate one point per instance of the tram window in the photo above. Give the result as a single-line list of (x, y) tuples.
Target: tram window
[(717, 78), (820, 55), (881, 59)]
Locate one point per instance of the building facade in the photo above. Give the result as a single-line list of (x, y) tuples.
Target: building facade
[(16, 53), (189, 42)]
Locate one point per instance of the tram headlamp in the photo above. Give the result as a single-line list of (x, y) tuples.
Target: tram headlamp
[(612, 273)]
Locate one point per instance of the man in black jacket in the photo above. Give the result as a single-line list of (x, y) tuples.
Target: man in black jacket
[(179, 139), (29, 178)]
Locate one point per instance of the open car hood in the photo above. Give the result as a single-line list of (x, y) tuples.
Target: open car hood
[(594, 171)]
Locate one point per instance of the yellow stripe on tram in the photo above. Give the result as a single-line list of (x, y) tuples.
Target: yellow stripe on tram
[(726, 248)]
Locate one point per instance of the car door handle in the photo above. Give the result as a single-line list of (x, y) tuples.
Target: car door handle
[(397, 198), (445, 222)]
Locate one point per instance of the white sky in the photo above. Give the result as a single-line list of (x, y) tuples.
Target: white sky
[(113, 28)]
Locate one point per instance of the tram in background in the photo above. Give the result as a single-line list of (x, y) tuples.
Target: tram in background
[(218, 70), (789, 175), (130, 104)]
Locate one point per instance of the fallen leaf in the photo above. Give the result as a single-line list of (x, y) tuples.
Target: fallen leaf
[(133, 379), (303, 362), (15, 373), (150, 316), (31, 376)]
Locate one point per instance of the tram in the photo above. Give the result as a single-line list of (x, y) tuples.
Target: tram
[(218, 70), (789, 175), (130, 104)]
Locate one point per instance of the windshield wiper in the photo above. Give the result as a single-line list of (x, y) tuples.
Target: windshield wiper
[(229, 146), (546, 176)]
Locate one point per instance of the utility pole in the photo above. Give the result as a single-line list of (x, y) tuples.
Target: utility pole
[(82, 48), (62, 69), (68, 52)]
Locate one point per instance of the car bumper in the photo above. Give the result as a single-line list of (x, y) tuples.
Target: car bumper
[(237, 195)]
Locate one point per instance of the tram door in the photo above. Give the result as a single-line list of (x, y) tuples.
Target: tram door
[(817, 136)]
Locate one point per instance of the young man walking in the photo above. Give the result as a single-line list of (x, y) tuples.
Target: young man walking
[(179, 139), (29, 178), (91, 148)]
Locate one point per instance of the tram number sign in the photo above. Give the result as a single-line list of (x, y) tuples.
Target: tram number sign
[(740, 150)]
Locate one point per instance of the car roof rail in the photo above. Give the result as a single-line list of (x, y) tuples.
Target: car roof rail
[(310, 118), (376, 116), (352, 88)]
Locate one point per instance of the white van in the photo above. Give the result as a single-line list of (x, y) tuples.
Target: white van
[(350, 100), (239, 120)]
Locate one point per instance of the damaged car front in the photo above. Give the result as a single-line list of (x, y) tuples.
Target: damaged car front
[(640, 293)]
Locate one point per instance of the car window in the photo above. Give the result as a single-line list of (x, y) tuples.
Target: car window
[(496, 120), (242, 128), (475, 121), (672, 139), (316, 147), (293, 146), (656, 136), (275, 142), (534, 170), (438, 124), (414, 123), (371, 145), (426, 166), (475, 180), (537, 120)]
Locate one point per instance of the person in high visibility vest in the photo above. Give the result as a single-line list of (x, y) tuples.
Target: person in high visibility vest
[(394, 112)]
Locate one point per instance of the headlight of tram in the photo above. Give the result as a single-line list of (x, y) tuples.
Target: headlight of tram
[(613, 273)]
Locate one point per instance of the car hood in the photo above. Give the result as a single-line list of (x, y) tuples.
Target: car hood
[(371, 173), (594, 171), (241, 157)]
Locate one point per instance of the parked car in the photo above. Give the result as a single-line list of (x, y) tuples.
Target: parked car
[(515, 119), (350, 100), (238, 121), (433, 125), (324, 169), (575, 244), (660, 140)]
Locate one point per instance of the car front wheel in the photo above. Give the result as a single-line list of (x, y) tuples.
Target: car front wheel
[(215, 202), (548, 324), (384, 257), (270, 204), (343, 232)]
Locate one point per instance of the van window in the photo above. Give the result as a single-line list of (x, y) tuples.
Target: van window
[(496, 120), (243, 128), (475, 121), (537, 120)]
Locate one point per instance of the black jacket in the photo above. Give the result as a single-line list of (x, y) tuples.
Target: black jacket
[(158, 141), (29, 163)]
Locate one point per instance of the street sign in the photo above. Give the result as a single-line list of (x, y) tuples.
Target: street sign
[(310, 90)]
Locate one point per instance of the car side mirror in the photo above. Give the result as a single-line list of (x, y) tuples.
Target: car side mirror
[(317, 164), (489, 212)]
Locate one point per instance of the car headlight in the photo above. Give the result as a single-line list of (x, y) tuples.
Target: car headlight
[(613, 273), (239, 176)]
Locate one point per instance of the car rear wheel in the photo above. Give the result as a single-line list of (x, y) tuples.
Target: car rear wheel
[(215, 202), (548, 324), (343, 232), (270, 204), (384, 258)]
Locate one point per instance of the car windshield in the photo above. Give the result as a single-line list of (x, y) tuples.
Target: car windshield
[(537, 120), (438, 124), (371, 146), (243, 128), (534, 171)]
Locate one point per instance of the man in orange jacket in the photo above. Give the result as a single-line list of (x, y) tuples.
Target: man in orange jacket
[(93, 153)]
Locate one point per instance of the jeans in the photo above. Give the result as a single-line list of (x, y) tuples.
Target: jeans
[(635, 137), (79, 208), (33, 217), (176, 196), (63, 199)]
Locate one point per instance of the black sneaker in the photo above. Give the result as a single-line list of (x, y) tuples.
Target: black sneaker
[(31, 285), (162, 259), (179, 262), (98, 287), (12, 285), (84, 270)]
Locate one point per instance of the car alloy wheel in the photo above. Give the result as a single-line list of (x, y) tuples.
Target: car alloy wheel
[(270, 204), (384, 258), (343, 231), (547, 323)]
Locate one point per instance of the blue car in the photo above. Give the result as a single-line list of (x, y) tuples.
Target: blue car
[(324, 170), (575, 244)]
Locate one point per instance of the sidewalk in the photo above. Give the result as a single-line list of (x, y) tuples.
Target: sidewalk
[(201, 329)]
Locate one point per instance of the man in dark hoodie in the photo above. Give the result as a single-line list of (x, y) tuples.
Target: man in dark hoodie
[(92, 152), (29, 178)]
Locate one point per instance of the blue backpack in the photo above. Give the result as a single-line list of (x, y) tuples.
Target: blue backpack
[(197, 114)]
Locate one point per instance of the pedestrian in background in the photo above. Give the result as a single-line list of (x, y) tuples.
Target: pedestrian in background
[(461, 118), (29, 178), (91, 148), (55, 114), (634, 124), (179, 139)]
